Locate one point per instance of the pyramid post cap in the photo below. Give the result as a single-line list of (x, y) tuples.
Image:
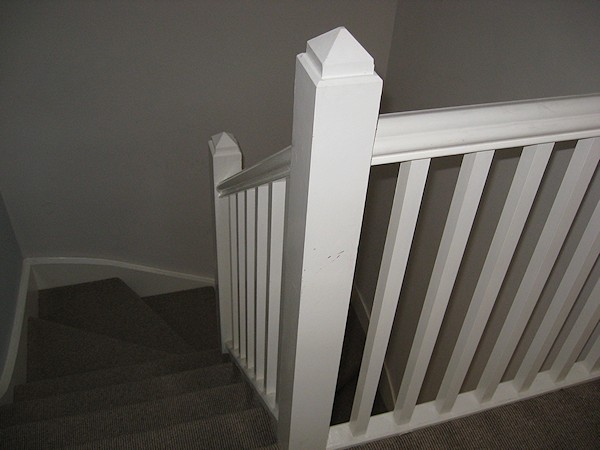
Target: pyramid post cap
[(223, 144), (338, 54), (224, 140)]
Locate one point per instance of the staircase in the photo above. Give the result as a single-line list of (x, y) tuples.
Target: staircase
[(108, 369)]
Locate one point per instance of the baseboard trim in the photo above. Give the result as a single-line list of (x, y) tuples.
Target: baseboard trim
[(52, 272), (388, 393), (6, 377)]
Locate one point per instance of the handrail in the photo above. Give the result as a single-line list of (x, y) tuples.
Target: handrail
[(458, 130), (270, 169)]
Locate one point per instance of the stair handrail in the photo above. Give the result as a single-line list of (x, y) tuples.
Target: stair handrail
[(475, 128), (270, 169)]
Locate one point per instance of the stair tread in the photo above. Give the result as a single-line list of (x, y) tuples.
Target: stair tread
[(192, 314), (56, 350), (119, 394), (115, 375), (99, 380), (111, 308), (139, 417), (251, 428)]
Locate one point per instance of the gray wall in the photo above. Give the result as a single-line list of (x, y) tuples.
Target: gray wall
[(447, 53), (11, 261), (107, 107)]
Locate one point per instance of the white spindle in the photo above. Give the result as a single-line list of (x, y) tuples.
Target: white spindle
[(250, 277), (592, 360), (277, 219), (241, 201), (524, 187), (469, 187), (227, 161), (235, 281), (572, 189), (570, 286), (580, 333), (262, 254), (401, 228), (336, 105)]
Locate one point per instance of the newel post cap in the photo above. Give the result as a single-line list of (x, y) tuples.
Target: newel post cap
[(222, 143), (337, 54)]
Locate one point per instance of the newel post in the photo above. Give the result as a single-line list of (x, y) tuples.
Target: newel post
[(336, 107), (226, 161)]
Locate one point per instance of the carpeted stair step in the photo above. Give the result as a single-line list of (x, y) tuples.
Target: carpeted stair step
[(192, 314), (122, 374), (78, 429), (111, 308), (247, 429), (56, 350), (107, 397)]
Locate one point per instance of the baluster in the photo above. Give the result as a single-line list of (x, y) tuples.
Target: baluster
[(403, 219), (523, 189), (277, 209), (570, 286), (468, 191), (578, 337), (250, 277), (572, 189), (262, 254), (241, 201)]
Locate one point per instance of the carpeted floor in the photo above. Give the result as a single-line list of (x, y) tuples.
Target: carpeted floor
[(98, 379), (110, 370)]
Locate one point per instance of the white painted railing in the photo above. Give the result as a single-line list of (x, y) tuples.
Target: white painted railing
[(287, 239), (249, 212)]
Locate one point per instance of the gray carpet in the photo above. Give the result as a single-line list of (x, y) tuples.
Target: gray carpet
[(98, 381), (115, 375), (111, 308), (565, 419), (107, 369), (192, 314)]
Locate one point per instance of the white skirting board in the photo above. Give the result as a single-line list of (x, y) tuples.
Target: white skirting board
[(14, 366), (144, 280)]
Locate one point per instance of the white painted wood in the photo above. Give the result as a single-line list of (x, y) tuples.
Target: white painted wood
[(226, 161), (469, 187), (524, 187), (268, 400), (464, 129), (277, 219), (578, 337), (262, 267), (572, 189), (567, 293), (592, 360), (336, 103), (241, 219), (251, 277), (54, 271), (273, 168), (425, 414), (403, 219), (19, 317), (363, 312), (235, 281)]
